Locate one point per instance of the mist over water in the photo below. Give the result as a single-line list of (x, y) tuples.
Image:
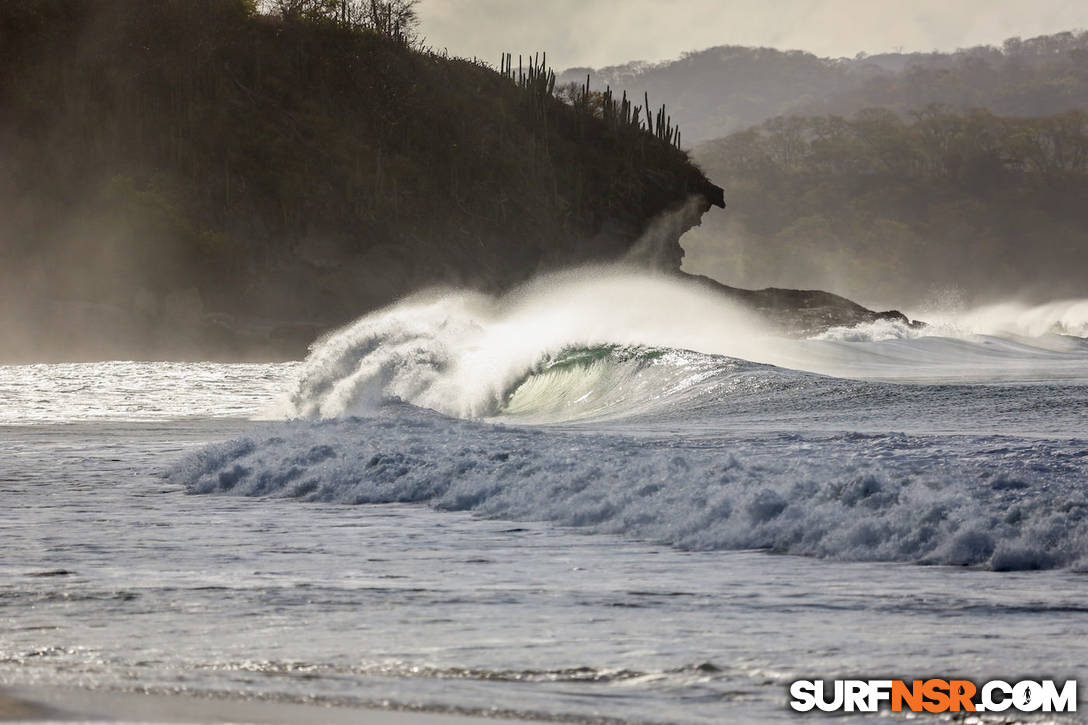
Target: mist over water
[(1063, 317), (469, 355), (461, 352)]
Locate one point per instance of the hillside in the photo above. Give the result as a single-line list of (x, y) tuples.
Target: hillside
[(189, 178), (888, 212), (717, 91)]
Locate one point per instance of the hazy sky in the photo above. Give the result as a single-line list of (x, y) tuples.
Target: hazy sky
[(609, 32)]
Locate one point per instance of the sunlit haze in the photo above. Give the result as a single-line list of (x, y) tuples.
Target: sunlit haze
[(605, 32)]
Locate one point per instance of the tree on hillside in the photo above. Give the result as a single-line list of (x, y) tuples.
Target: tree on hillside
[(293, 9), (395, 19)]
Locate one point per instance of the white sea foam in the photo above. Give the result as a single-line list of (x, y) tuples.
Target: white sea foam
[(695, 427), (460, 352), (464, 353), (1066, 318), (990, 501)]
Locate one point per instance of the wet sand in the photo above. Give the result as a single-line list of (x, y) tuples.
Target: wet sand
[(39, 704), (12, 709)]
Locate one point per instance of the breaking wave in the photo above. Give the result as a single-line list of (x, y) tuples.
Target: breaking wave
[(612, 341), (664, 412), (628, 382), (992, 501), (463, 353)]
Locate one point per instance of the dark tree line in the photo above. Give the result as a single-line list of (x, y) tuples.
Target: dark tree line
[(395, 19)]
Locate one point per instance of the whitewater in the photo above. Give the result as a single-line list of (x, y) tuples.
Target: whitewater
[(608, 495)]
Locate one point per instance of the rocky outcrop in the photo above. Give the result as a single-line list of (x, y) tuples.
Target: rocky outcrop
[(803, 313)]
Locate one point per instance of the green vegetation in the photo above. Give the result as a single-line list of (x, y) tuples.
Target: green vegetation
[(888, 211), (303, 166)]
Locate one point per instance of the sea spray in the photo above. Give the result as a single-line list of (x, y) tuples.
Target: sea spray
[(1062, 318), (461, 352), (657, 247), (465, 353)]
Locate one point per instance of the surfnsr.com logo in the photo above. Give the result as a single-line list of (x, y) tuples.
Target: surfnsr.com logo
[(933, 696)]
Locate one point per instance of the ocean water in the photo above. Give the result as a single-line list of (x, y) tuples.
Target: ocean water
[(605, 497)]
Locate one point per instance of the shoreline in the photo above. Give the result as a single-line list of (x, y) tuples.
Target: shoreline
[(38, 703)]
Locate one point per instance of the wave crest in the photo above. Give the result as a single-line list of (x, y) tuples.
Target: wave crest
[(463, 353), (612, 342)]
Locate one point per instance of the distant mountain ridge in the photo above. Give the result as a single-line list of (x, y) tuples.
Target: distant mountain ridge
[(716, 91)]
